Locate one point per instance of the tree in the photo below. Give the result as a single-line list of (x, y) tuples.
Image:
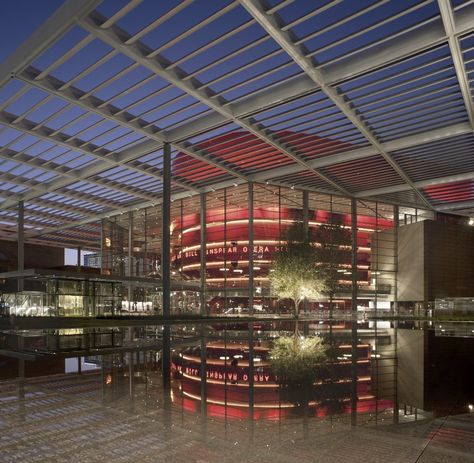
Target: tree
[(295, 273), (334, 250)]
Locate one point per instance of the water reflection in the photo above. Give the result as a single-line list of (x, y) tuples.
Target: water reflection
[(226, 396), (280, 375), (357, 372)]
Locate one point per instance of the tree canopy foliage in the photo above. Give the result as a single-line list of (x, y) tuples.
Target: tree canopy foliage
[(308, 266), (333, 252), (295, 274)]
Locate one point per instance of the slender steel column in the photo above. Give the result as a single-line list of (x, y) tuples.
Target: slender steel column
[(130, 375), (251, 327), (166, 219), (165, 265), (102, 249), (21, 243), (396, 405), (225, 253), (306, 214), (354, 312), (145, 268), (279, 233), (354, 254), (21, 236), (21, 369), (78, 262), (203, 373), (251, 375), (306, 237), (250, 233), (203, 310), (375, 364), (130, 244), (395, 279), (129, 257)]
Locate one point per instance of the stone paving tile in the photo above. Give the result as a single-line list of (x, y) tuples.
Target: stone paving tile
[(64, 419)]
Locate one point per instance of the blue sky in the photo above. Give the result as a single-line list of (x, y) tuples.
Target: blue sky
[(19, 18)]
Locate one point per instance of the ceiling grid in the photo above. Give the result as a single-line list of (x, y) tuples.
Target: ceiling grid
[(368, 100)]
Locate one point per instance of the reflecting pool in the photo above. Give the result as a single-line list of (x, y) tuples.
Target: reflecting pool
[(276, 390)]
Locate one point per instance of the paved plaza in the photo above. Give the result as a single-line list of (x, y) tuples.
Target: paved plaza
[(66, 418)]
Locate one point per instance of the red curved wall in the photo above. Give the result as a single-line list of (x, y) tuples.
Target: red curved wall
[(227, 245)]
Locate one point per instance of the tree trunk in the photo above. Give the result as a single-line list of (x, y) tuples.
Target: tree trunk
[(297, 304)]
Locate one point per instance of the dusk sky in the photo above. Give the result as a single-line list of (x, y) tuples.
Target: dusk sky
[(19, 18)]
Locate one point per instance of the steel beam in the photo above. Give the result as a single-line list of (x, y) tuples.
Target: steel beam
[(420, 184), (108, 214), (42, 38), (362, 194), (361, 153), (257, 102), (378, 56), (285, 41), (408, 44), (106, 159), (93, 104), (64, 179), (447, 15), (36, 218), (38, 190), (104, 163), (116, 38), (396, 49), (455, 206)]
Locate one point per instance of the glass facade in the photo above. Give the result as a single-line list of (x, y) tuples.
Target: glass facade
[(80, 295), (236, 245)]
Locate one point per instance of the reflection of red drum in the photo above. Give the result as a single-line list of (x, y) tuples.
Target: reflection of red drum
[(227, 381)]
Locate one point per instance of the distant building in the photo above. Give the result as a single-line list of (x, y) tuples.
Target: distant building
[(92, 260)]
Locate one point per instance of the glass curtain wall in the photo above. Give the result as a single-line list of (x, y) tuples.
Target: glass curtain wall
[(114, 245), (227, 250), (377, 256), (185, 266), (226, 255)]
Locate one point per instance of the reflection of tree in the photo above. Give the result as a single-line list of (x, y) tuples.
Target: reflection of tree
[(295, 274), (332, 392), (298, 362)]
